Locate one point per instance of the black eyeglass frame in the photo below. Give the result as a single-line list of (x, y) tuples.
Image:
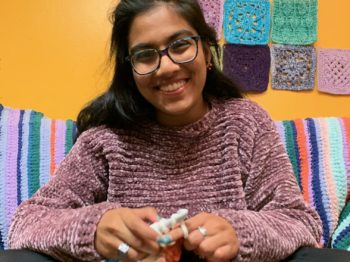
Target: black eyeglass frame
[(165, 51)]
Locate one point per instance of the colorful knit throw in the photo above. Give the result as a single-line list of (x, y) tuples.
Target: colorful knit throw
[(333, 70), (248, 66), (294, 22), (247, 21), (320, 155), (293, 67), (213, 12), (31, 147)]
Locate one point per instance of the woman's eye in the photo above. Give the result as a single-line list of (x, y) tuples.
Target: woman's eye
[(145, 55), (180, 45)]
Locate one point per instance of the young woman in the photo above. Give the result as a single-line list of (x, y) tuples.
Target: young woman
[(171, 132)]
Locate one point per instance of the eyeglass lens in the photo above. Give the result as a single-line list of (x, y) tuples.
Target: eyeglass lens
[(180, 51)]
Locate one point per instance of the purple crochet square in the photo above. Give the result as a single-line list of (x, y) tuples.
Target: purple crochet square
[(293, 67), (213, 12), (333, 70), (248, 66)]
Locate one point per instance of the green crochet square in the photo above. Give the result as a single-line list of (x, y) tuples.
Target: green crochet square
[(294, 22)]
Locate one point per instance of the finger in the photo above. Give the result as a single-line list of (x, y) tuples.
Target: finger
[(194, 240), (139, 233), (140, 227), (179, 232), (215, 241), (138, 240), (209, 245), (223, 253), (113, 249), (127, 255), (148, 214), (198, 220)]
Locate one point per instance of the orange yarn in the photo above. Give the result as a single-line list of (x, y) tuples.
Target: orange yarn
[(173, 253), (303, 155)]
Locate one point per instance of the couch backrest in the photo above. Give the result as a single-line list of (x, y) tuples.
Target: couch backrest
[(32, 145)]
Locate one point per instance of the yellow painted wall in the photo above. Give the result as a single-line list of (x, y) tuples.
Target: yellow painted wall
[(54, 58)]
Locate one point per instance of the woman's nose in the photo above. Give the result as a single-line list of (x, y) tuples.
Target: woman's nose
[(167, 66)]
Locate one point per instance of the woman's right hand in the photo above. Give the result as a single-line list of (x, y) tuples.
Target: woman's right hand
[(129, 226)]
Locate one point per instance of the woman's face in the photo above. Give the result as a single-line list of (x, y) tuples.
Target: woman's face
[(175, 90)]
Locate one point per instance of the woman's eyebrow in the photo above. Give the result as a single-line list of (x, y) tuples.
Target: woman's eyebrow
[(176, 35), (173, 37)]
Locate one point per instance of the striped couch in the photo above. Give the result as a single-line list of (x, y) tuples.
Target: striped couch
[(32, 145)]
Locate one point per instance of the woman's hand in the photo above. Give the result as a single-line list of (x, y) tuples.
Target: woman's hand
[(220, 242), (129, 226)]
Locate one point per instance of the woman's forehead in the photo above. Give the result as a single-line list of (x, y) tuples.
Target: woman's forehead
[(157, 26)]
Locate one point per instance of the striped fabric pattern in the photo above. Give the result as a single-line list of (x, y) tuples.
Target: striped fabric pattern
[(31, 147), (320, 155)]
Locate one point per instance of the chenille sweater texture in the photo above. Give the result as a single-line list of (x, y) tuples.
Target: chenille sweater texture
[(230, 163)]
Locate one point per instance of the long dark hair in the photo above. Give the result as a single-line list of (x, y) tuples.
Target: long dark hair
[(122, 106)]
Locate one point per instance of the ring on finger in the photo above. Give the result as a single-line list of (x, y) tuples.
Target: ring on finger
[(184, 230), (123, 249), (203, 231)]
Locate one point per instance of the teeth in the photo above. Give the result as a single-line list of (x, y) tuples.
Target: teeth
[(172, 87)]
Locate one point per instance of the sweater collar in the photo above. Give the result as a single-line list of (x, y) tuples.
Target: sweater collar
[(195, 129)]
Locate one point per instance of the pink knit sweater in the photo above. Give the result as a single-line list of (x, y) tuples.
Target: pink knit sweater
[(231, 163)]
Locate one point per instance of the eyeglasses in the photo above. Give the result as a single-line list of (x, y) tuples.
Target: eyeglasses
[(180, 51)]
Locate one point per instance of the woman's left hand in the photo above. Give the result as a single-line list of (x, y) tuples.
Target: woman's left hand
[(209, 236)]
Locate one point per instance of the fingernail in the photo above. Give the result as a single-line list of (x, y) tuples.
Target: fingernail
[(162, 259), (165, 240)]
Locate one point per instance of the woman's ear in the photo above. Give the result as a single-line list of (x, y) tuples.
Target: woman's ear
[(208, 55)]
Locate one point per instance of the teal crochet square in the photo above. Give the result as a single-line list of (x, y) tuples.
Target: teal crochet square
[(293, 67), (294, 22), (247, 22)]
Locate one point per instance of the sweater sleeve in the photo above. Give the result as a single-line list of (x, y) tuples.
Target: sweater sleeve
[(277, 220), (61, 218)]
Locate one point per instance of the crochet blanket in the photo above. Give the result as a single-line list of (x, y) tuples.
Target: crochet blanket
[(320, 155), (32, 145)]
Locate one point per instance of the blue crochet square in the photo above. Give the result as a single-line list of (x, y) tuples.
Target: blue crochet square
[(247, 21), (293, 67)]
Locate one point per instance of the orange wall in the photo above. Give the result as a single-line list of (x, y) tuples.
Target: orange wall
[(53, 58)]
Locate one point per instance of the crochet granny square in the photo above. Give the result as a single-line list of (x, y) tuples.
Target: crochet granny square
[(333, 69), (213, 12), (247, 21), (294, 22), (248, 66), (293, 67)]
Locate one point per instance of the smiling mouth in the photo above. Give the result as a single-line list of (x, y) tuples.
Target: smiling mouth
[(172, 87)]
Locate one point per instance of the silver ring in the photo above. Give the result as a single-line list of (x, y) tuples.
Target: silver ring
[(123, 249), (203, 231)]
